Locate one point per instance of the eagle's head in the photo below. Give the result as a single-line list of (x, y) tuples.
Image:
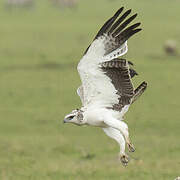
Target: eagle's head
[(74, 117)]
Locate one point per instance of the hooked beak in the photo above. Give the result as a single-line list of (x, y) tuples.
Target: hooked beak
[(65, 120), (68, 118)]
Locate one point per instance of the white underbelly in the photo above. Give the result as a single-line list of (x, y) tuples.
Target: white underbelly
[(94, 118)]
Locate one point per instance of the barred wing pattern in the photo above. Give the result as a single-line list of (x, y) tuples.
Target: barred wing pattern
[(118, 71), (115, 34), (106, 80)]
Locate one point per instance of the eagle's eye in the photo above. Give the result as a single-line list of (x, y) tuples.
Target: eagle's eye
[(71, 117)]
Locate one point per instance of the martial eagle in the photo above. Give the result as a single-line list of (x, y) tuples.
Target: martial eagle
[(107, 90)]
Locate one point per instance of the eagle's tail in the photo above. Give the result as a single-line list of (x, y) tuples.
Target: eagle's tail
[(139, 91)]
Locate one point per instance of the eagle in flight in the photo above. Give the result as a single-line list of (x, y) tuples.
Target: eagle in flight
[(107, 90)]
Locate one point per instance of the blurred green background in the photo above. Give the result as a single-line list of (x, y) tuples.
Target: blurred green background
[(40, 47)]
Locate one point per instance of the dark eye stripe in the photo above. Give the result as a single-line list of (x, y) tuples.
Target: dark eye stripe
[(70, 117)]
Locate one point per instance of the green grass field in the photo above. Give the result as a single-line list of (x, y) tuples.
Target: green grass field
[(39, 51)]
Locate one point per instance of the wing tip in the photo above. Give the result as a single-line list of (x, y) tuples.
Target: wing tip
[(130, 63), (118, 12), (138, 24), (128, 11), (138, 30), (135, 15), (144, 84)]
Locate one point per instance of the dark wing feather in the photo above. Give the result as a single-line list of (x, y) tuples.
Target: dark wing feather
[(108, 23), (117, 30), (118, 71), (139, 91), (132, 72), (116, 24), (123, 25)]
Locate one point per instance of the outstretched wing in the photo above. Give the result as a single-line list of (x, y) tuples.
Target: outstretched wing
[(111, 40), (106, 79), (120, 76)]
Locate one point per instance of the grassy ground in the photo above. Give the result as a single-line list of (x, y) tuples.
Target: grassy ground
[(39, 51)]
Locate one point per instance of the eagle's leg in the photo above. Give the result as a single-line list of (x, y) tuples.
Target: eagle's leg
[(116, 135), (131, 147), (123, 128)]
